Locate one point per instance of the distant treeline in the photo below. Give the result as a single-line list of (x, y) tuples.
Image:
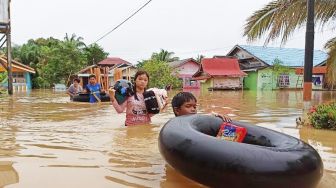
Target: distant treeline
[(56, 60)]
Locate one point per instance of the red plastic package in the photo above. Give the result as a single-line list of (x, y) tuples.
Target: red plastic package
[(231, 132)]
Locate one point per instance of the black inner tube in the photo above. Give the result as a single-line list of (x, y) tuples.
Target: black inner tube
[(85, 97), (266, 158)]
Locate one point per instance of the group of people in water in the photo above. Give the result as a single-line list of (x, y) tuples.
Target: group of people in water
[(93, 88), (183, 103)]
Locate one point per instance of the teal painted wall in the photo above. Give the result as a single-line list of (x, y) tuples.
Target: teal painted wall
[(28, 80)]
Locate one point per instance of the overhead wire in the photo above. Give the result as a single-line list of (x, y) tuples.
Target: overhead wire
[(143, 6)]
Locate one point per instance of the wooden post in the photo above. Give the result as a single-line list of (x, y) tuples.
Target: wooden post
[(107, 78), (128, 74), (81, 82), (9, 56)]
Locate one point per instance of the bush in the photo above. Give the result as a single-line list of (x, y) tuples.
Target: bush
[(323, 116)]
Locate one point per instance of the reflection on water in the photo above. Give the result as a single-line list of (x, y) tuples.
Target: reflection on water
[(55, 143)]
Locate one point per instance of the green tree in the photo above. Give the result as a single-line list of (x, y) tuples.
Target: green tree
[(56, 60), (164, 55), (141, 63), (94, 54), (280, 18), (29, 54), (279, 68), (77, 41), (160, 74), (3, 76)]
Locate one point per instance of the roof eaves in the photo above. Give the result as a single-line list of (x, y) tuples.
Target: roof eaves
[(323, 63), (240, 47)]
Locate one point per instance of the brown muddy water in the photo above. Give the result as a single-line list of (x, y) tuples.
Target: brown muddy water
[(47, 141)]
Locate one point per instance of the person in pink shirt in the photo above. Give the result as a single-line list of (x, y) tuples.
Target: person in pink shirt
[(136, 113)]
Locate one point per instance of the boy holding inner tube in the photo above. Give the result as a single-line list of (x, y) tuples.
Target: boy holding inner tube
[(185, 103)]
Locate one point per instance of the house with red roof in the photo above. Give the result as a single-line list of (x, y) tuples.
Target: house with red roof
[(113, 61), (220, 73), (184, 70)]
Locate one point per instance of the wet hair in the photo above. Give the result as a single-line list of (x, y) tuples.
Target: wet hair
[(137, 74), (76, 80), (92, 76), (181, 98)]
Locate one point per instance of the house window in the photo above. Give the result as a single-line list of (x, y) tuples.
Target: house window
[(317, 80), (193, 83), (187, 81), (17, 75), (283, 80)]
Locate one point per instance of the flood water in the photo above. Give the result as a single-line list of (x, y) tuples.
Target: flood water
[(47, 141)]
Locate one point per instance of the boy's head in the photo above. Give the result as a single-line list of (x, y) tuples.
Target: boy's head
[(92, 79), (76, 81), (184, 103)]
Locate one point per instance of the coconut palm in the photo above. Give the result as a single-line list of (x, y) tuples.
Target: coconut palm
[(164, 55), (331, 62), (199, 58), (280, 18), (78, 41)]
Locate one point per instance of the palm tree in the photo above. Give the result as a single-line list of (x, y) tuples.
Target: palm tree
[(280, 18), (199, 58), (164, 55), (78, 41), (331, 62)]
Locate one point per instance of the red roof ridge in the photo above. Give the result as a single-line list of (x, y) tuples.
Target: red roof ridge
[(223, 66), (113, 61)]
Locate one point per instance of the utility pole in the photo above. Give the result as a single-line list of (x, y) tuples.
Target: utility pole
[(5, 29), (9, 54), (309, 55)]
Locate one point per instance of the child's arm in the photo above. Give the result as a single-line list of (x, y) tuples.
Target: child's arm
[(69, 93), (223, 117), (117, 107)]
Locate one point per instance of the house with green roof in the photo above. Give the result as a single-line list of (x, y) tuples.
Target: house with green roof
[(275, 68)]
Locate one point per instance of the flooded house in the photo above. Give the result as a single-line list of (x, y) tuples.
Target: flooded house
[(22, 74), (119, 68), (260, 64), (108, 71), (184, 70), (220, 73)]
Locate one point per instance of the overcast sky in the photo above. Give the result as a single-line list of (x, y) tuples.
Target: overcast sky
[(186, 27)]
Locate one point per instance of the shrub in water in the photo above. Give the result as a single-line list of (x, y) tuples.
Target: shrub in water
[(323, 116)]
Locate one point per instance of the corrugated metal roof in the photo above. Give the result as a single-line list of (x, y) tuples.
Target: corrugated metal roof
[(289, 56), (113, 61), (17, 65), (178, 63), (221, 67)]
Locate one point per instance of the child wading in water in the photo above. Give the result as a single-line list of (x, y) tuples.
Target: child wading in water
[(185, 103), (136, 113)]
